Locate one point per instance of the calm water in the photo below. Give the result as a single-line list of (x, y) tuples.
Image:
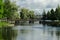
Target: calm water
[(34, 31)]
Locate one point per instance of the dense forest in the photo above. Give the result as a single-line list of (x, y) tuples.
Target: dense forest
[(52, 14)]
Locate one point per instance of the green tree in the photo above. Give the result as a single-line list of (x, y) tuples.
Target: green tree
[(44, 16), (26, 14), (1, 8), (48, 15), (9, 9), (22, 14), (57, 11), (31, 15), (53, 15)]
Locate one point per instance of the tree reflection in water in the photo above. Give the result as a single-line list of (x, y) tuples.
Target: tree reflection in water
[(8, 33), (58, 35)]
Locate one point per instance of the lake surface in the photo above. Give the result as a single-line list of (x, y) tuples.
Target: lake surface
[(34, 31)]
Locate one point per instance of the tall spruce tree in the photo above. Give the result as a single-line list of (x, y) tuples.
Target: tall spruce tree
[(48, 15), (44, 16)]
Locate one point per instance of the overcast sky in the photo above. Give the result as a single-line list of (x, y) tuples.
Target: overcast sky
[(38, 5)]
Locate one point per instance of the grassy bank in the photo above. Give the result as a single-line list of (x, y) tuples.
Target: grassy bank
[(5, 24)]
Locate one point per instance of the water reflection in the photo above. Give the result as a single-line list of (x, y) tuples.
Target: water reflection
[(50, 23), (30, 32), (7, 33), (52, 33)]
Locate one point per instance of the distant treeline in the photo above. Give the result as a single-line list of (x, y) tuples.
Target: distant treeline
[(13, 12), (52, 14)]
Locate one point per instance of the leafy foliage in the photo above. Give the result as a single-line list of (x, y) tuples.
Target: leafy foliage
[(26, 14), (9, 9), (1, 8)]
